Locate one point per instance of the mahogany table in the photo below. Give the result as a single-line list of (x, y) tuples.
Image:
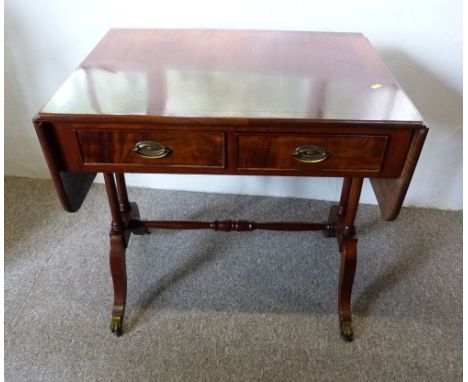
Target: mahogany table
[(238, 103)]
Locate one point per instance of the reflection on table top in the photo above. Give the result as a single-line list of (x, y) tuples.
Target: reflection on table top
[(245, 74)]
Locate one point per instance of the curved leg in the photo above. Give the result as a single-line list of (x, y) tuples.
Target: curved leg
[(347, 271), (119, 279), (118, 243), (345, 216)]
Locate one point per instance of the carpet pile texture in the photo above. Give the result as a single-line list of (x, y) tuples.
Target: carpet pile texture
[(214, 306)]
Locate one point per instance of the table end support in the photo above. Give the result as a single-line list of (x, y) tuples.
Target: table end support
[(341, 223), (346, 278), (332, 223), (119, 280)]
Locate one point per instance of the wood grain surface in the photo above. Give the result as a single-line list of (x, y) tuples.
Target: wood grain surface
[(230, 73)]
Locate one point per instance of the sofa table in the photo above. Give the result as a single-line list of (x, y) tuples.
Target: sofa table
[(232, 102)]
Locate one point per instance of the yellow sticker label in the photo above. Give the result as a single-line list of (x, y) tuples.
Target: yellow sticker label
[(376, 86)]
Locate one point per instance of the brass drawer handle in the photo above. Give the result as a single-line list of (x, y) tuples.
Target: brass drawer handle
[(310, 154), (152, 150)]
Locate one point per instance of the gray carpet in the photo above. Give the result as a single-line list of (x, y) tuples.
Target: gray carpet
[(213, 306)]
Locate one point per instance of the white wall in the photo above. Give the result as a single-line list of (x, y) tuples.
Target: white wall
[(420, 40)]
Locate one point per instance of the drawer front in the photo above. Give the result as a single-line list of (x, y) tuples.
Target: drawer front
[(183, 149), (354, 153)]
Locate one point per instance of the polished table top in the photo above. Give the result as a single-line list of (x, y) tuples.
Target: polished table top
[(234, 74)]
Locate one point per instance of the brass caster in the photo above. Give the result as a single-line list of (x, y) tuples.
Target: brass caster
[(346, 330), (116, 325)]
